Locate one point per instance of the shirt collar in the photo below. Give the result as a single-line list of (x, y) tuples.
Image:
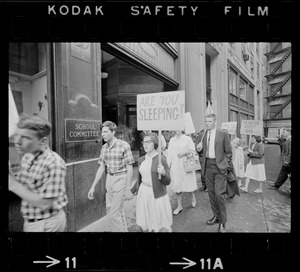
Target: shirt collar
[(113, 143), (39, 154)]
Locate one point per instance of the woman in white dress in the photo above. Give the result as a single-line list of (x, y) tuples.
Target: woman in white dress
[(255, 169), (153, 207), (179, 146), (238, 160)]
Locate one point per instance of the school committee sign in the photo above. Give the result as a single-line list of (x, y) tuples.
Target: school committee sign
[(161, 111), (77, 130)]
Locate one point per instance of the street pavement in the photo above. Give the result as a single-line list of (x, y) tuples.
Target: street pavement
[(267, 212)]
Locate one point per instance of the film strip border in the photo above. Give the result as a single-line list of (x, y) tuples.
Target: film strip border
[(149, 252), (148, 20)]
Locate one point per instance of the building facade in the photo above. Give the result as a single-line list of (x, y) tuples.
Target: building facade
[(278, 88), (77, 86)]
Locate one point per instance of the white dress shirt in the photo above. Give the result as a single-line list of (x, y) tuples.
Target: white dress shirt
[(211, 148)]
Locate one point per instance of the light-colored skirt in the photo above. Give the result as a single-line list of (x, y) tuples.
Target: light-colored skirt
[(255, 171), (153, 214)]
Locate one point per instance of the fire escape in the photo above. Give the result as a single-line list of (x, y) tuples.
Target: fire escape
[(283, 78)]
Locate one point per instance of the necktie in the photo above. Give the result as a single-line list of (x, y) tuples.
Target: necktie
[(208, 142)]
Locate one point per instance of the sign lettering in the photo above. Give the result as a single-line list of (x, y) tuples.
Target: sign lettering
[(230, 127), (77, 130), (252, 127), (161, 111)]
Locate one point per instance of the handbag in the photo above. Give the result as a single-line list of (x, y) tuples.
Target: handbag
[(191, 162)]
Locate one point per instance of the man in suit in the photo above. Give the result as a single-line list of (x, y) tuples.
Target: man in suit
[(286, 160), (216, 161)]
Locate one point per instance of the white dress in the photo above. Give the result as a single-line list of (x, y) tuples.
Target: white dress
[(152, 214), (255, 171), (238, 161), (181, 181)]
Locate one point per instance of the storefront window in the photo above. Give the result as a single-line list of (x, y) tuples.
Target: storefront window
[(28, 83)]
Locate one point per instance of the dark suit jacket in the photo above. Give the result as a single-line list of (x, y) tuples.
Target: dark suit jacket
[(286, 152), (222, 149)]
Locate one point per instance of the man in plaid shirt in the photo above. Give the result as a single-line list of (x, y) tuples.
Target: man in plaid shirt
[(117, 158), (40, 183)]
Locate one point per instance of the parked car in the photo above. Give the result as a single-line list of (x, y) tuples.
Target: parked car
[(271, 140)]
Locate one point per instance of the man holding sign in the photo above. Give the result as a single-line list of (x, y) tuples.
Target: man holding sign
[(216, 161)]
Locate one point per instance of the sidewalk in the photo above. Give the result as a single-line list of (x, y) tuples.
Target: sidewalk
[(249, 212)]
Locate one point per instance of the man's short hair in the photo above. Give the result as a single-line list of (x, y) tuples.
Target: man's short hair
[(211, 115), (111, 125), (36, 123)]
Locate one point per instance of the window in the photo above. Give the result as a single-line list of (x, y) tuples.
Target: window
[(233, 116), (243, 90), (251, 95), (274, 109), (233, 82)]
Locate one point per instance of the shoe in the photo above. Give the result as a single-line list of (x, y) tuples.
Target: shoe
[(177, 211), (258, 191), (194, 204), (272, 184), (244, 189), (222, 227), (203, 188), (212, 221)]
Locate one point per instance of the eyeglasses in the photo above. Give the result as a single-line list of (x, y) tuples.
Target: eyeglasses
[(147, 142)]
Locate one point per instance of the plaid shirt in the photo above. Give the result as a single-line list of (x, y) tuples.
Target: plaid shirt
[(116, 156), (43, 174)]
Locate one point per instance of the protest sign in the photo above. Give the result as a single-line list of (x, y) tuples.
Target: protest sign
[(161, 111), (252, 127), (13, 116), (230, 127), (188, 123)]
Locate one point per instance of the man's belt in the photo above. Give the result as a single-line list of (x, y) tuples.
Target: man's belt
[(117, 173)]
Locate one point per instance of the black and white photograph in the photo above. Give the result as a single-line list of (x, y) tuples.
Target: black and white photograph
[(149, 135), (104, 138)]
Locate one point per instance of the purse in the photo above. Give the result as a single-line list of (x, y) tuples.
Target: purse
[(191, 162)]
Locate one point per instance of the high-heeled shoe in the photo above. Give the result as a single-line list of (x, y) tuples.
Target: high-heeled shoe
[(244, 189), (177, 211)]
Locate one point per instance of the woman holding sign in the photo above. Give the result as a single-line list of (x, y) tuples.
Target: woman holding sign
[(181, 181), (153, 207), (256, 166)]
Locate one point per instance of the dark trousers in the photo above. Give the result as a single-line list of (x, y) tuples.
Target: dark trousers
[(283, 175), (216, 186), (203, 180)]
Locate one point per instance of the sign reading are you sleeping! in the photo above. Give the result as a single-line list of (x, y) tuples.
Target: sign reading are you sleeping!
[(161, 111)]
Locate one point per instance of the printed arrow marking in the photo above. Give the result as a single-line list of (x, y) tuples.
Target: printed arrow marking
[(52, 262), (189, 264)]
